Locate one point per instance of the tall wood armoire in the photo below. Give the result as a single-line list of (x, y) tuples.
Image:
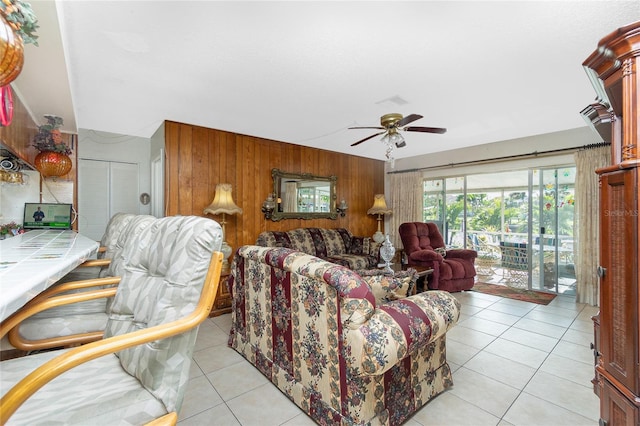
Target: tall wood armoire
[(615, 71)]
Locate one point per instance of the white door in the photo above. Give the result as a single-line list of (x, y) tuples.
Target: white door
[(104, 189)]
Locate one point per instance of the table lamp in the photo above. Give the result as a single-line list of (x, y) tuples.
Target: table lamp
[(223, 204), (379, 208)]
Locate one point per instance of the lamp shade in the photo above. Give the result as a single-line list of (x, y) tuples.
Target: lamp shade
[(223, 201), (379, 205)]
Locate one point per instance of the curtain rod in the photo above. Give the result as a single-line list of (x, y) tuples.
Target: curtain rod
[(508, 157)]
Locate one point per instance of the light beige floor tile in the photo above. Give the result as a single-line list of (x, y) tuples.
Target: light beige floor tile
[(217, 357), (517, 352), (459, 353), (520, 309), (566, 394), (210, 336), (528, 338), (488, 327), (569, 369), (194, 370), (480, 300), (470, 337), (200, 396), (570, 350), (469, 310), (493, 396), (557, 311), (219, 415), (499, 317), (222, 321), (578, 337), (448, 409), (531, 411), (304, 420), (540, 327), (264, 406), (582, 325), (558, 320), (501, 369), (236, 379)]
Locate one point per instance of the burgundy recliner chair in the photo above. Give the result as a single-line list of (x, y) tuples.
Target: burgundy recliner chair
[(453, 271)]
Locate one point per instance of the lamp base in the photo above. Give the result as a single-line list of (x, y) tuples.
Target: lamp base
[(378, 237), (226, 252)]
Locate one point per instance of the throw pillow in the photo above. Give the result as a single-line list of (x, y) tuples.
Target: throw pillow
[(386, 288)]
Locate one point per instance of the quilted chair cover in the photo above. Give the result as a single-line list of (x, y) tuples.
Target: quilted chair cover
[(313, 328), (453, 270), (163, 273), (92, 315), (335, 245)]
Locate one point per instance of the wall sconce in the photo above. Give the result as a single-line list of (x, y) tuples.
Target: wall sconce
[(342, 208), (223, 204), (269, 205), (379, 208)]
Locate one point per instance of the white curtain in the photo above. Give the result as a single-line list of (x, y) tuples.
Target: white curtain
[(290, 197), (586, 222), (406, 202)]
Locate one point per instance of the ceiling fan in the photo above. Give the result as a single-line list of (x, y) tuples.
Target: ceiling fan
[(392, 123)]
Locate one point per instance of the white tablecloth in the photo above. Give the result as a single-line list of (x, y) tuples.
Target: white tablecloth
[(33, 261)]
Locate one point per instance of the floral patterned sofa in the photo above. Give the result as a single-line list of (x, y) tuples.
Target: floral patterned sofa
[(343, 352), (335, 245)]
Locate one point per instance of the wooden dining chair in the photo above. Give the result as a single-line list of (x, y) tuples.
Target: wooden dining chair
[(138, 373), (82, 322)]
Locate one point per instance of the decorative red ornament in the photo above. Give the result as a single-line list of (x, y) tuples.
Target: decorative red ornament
[(51, 164), (6, 105)]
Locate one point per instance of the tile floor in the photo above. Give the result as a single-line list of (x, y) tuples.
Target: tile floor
[(514, 363)]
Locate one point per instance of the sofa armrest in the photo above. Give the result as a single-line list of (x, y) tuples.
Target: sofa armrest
[(398, 329), (425, 255), (462, 254)]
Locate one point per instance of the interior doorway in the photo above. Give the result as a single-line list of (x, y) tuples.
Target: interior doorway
[(104, 189)]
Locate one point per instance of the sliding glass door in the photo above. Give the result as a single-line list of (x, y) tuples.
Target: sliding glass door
[(520, 223)]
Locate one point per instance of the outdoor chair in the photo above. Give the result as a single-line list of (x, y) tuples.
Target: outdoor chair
[(515, 263), (139, 371)]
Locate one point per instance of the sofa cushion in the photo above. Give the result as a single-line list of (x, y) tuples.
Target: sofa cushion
[(335, 245), (386, 287)]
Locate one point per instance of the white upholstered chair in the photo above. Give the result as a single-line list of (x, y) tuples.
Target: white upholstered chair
[(138, 372), (82, 322)]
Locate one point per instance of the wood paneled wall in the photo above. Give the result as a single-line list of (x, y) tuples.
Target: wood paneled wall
[(19, 135), (198, 158)]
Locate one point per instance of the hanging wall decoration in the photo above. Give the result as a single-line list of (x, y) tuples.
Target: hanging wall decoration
[(53, 159), (18, 24)]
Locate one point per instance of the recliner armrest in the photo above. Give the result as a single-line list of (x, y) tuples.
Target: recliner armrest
[(462, 254), (426, 255)]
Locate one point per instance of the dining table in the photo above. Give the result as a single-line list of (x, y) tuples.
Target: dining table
[(33, 261)]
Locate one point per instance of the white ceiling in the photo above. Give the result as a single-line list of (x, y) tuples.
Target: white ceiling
[(303, 72)]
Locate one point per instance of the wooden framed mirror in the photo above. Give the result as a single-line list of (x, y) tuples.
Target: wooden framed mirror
[(303, 196)]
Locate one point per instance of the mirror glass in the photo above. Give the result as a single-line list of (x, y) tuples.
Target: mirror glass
[(303, 196)]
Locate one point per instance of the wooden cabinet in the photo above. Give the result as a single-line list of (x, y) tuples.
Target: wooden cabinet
[(222, 304), (614, 68)]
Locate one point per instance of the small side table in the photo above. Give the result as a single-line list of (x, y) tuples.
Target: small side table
[(423, 273), (222, 303)]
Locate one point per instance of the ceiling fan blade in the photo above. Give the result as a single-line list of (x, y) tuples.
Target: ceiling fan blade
[(439, 130), (408, 119), (367, 138), (366, 128)]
